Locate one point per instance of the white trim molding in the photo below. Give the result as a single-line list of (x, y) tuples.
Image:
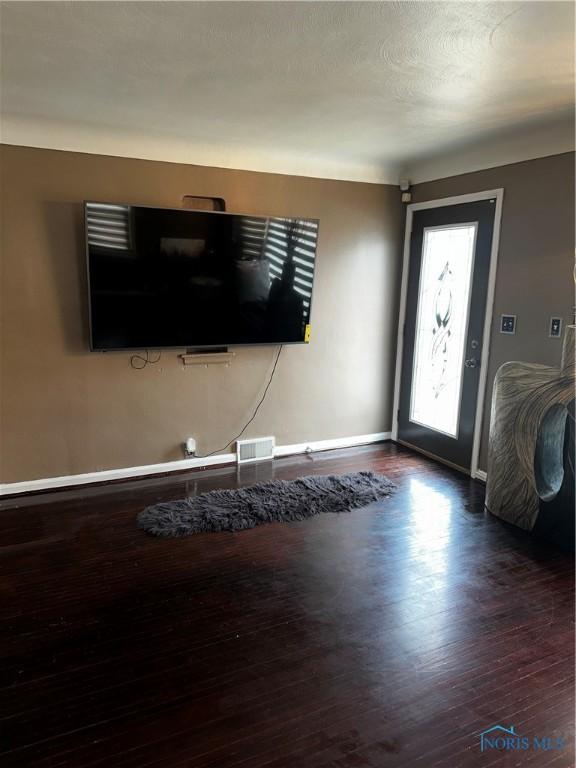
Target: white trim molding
[(328, 445), (515, 144), (498, 195), (107, 475), (64, 135), (126, 473), (480, 475)]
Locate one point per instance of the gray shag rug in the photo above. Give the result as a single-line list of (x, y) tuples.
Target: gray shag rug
[(271, 502)]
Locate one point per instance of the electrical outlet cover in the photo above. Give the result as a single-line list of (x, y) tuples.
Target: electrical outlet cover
[(508, 324), (555, 327)]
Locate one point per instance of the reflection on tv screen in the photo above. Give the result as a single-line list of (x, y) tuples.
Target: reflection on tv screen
[(179, 278)]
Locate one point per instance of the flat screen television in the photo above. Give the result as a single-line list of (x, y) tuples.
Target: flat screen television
[(161, 277)]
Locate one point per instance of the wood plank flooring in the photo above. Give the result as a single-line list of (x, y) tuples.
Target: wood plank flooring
[(389, 636)]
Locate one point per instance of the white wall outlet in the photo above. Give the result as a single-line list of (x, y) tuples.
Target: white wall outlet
[(190, 446)]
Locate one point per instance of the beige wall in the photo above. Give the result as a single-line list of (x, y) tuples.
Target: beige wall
[(65, 410), (536, 257)]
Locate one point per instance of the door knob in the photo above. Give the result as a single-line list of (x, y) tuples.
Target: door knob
[(471, 362)]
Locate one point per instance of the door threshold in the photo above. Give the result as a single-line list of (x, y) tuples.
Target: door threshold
[(429, 455)]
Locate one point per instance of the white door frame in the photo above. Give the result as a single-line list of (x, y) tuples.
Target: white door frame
[(498, 195)]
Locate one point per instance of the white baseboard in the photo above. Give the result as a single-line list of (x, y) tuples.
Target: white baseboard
[(328, 445), (480, 475), (104, 476)]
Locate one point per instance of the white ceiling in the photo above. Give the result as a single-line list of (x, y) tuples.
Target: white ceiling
[(352, 90)]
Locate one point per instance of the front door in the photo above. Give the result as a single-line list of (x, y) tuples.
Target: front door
[(450, 249)]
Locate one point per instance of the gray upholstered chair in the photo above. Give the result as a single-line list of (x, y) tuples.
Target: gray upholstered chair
[(531, 454)]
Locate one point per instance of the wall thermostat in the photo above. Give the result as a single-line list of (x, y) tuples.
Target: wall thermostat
[(508, 324), (555, 327)]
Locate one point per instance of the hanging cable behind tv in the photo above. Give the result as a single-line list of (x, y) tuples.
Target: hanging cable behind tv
[(251, 419)]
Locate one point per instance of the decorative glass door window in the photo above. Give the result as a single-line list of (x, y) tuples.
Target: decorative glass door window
[(441, 326)]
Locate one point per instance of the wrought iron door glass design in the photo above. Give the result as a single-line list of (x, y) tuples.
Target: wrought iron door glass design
[(441, 326)]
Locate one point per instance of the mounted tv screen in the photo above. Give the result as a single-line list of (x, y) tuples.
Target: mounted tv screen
[(160, 277)]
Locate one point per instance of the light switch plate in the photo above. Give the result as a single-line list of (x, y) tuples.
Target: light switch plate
[(508, 324), (555, 327)]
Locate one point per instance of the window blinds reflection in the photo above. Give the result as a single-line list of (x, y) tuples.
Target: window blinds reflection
[(292, 240), (252, 234), (279, 240), (108, 225)]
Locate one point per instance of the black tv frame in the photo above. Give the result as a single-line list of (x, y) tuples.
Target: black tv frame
[(192, 347)]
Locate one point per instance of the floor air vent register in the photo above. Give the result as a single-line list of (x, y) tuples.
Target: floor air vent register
[(257, 449)]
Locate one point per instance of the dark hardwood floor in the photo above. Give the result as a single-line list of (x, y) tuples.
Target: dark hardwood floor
[(390, 636)]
